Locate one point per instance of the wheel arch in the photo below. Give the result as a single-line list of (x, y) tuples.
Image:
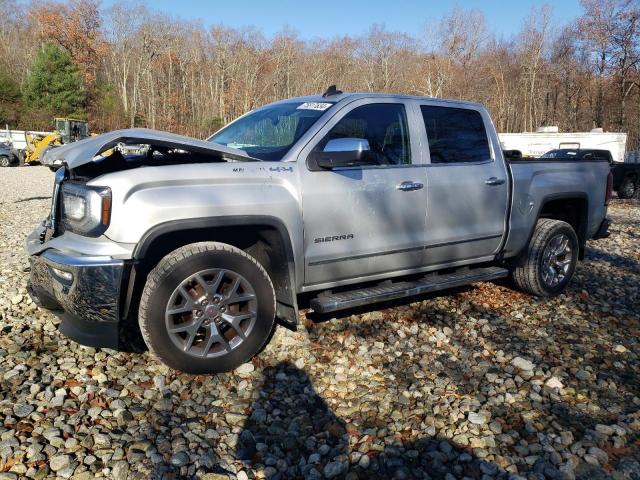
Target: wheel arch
[(570, 207), (266, 238)]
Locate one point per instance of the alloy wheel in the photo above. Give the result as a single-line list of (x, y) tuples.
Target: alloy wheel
[(210, 313), (556, 260)]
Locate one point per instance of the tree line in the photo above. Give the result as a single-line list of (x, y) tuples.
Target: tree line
[(130, 65)]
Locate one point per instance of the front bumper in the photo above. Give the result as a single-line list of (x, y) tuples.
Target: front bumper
[(84, 289)]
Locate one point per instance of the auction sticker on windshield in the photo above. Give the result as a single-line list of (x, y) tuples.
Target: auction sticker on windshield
[(314, 106)]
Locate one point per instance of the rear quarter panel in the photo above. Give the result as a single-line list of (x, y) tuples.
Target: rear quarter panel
[(538, 181)]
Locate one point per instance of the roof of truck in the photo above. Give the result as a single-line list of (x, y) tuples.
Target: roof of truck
[(357, 95)]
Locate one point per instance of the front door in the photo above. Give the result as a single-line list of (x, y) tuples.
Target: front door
[(366, 219)]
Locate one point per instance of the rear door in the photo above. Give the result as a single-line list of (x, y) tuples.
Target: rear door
[(365, 220), (467, 185)]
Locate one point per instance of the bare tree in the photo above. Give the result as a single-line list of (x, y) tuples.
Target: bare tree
[(151, 70)]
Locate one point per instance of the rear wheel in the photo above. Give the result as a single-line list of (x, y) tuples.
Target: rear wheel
[(5, 161), (627, 188), (206, 308), (548, 264)]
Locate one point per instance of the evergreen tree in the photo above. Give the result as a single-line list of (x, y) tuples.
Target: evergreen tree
[(9, 100), (53, 85)]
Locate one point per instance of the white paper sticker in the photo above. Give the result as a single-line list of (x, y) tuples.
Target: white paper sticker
[(314, 106)]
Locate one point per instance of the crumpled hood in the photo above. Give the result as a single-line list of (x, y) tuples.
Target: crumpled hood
[(85, 151)]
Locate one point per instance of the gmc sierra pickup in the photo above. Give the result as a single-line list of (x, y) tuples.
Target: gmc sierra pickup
[(331, 201)]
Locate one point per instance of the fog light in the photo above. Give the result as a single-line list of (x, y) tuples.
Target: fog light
[(62, 275)]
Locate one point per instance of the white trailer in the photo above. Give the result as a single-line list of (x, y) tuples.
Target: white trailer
[(18, 138), (535, 144)]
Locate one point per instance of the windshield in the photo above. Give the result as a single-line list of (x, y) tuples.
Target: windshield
[(270, 132)]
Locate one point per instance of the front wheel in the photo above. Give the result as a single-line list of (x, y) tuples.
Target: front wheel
[(206, 308), (546, 267), (5, 161)]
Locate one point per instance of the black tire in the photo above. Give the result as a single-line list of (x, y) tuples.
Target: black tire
[(5, 161), (528, 272), (171, 272), (627, 188)]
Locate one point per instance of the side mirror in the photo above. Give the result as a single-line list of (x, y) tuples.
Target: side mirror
[(341, 152)]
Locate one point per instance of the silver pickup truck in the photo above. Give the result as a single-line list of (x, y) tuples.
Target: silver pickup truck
[(325, 202)]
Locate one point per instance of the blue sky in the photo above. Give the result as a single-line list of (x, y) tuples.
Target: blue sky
[(327, 18)]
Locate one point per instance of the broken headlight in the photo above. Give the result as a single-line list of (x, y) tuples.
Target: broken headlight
[(86, 210)]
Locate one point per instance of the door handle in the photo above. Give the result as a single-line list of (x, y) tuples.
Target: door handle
[(409, 186), (494, 181)]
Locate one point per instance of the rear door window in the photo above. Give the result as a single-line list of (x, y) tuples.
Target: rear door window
[(455, 135)]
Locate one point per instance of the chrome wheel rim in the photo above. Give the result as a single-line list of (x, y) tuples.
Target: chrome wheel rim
[(556, 260), (211, 313)]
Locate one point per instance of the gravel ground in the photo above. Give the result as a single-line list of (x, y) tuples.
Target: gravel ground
[(483, 383)]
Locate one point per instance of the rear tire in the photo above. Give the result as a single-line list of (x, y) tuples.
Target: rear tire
[(206, 308), (627, 188), (548, 264), (5, 161)]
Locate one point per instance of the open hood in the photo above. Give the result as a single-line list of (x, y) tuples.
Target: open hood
[(89, 150)]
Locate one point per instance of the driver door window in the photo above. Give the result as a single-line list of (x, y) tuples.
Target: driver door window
[(383, 126)]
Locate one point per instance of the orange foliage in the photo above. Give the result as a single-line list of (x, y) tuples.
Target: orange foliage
[(76, 27)]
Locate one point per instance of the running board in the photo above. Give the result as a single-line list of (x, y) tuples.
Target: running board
[(330, 302)]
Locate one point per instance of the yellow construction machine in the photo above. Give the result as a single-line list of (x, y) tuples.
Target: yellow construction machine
[(67, 130)]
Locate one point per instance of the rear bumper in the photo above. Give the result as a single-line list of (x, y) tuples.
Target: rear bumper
[(603, 230), (84, 289)]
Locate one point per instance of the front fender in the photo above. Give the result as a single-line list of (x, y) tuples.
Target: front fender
[(144, 199), (149, 202)]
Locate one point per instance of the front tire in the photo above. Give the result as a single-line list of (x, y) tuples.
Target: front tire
[(5, 161), (206, 308), (627, 188), (548, 264)]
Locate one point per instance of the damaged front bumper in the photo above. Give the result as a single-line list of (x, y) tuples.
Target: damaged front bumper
[(85, 290)]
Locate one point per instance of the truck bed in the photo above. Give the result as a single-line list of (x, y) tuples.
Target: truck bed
[(538, 181)]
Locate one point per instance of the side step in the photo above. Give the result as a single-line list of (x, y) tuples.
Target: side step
[(329, 302)]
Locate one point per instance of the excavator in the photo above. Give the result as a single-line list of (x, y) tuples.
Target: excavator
[(67, 130)]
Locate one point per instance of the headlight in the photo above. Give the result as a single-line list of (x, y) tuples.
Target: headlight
[(86, 210)]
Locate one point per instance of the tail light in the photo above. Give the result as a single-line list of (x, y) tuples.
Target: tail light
[(609, 194)]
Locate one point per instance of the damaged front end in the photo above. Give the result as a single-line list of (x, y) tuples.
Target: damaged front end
[(132, 148), (75, 269), (77, 277)]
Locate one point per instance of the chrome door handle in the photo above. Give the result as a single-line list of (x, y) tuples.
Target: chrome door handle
[(409, 186), (494, 181)]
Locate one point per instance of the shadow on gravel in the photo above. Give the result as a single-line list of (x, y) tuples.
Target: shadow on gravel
[(616, 261), (601, 398), (129, 337), (290, 421)]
